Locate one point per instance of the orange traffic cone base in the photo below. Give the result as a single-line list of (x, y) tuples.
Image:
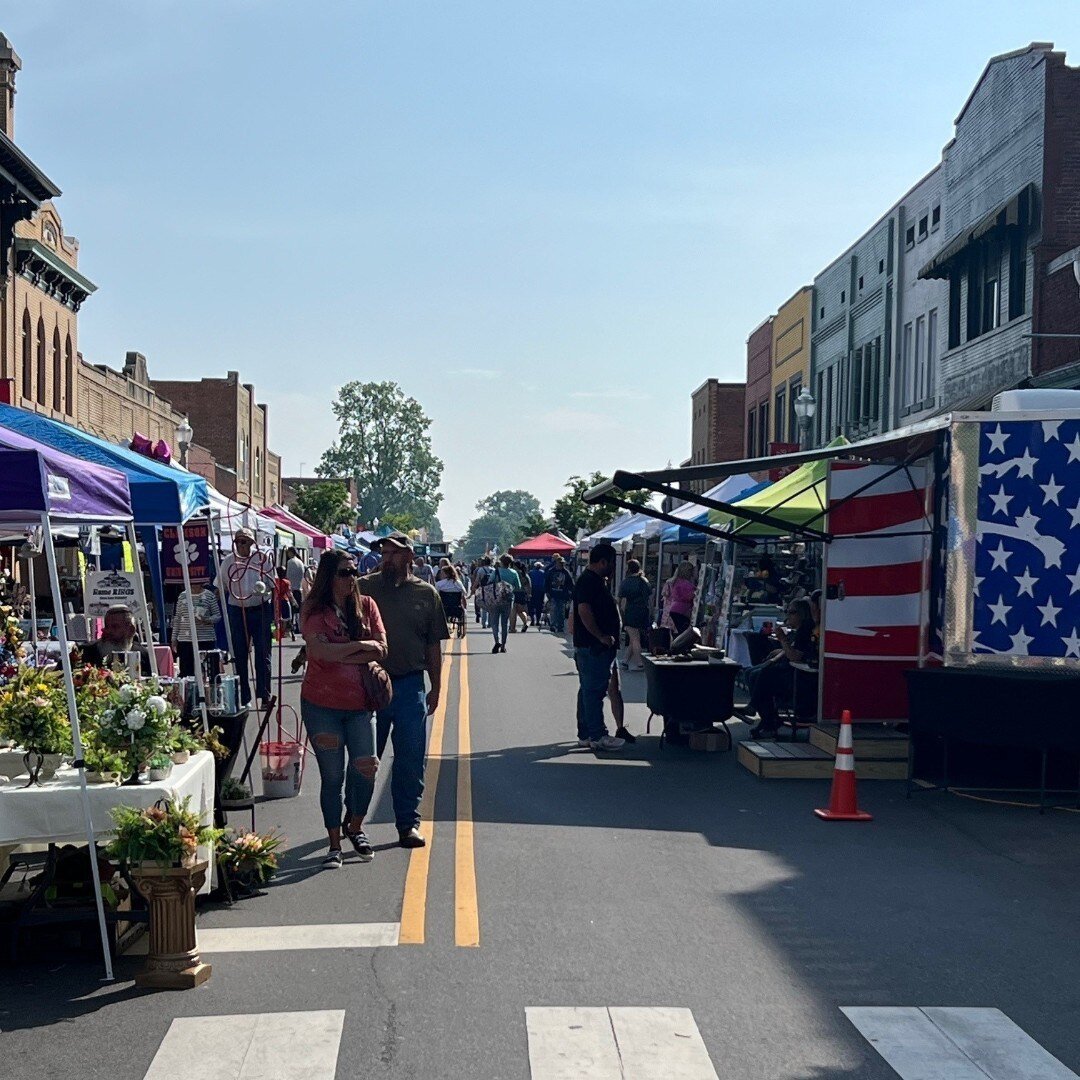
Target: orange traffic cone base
[(832, 815)]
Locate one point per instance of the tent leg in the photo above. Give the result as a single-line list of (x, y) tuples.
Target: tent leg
[(140, 592), (194, 630), (215, 552), (76, 739)]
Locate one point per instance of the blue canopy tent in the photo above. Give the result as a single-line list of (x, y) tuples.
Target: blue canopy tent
[(160, 495), (731, 490)]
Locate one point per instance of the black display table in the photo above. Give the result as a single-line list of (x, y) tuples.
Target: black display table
[(691, 695), (963, 722)]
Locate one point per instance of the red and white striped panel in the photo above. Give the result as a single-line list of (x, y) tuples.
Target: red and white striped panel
[(871, 635)]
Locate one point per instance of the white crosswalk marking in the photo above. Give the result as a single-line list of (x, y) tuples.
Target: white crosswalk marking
[(616, 1044), (279, 938), (259, 1046), (955, 1044)]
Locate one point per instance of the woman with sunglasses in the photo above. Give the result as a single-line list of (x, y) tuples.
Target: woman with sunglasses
[(342, 631)]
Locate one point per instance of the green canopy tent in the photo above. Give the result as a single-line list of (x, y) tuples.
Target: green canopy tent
[(797, 500)]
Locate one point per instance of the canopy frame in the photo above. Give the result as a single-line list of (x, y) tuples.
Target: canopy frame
[(660, 515)]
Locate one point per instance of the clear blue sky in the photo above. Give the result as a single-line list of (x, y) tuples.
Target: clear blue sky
[(549, 222)]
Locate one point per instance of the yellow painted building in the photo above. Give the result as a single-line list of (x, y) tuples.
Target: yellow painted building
[(790, 362)]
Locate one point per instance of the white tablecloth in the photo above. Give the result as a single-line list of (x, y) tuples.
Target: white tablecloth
[(52, 812)]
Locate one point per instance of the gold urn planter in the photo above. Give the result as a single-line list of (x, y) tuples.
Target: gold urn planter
[(173, 962)]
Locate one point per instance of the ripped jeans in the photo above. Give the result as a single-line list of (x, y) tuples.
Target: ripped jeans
[(332, 731)]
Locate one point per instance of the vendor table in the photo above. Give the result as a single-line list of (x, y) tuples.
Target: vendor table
[(52, 812), (690, 694), (166, 664), (1033, 710)]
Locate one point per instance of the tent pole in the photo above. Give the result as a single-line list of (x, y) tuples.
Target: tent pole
[(200, 682), (215, 554), (659, 574), (76, 741), (140, 593), (33, 609)]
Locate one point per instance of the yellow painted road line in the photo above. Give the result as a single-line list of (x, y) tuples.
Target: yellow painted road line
[(466, 912), (414, 902)]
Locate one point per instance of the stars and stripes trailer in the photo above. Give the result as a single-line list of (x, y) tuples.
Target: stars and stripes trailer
[(1014, 544)]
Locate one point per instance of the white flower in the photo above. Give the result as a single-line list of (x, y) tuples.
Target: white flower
[(135, 719), (127, 693), (157, 703)]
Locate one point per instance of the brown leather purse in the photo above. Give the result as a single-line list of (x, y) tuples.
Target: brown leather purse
[(378, 688)]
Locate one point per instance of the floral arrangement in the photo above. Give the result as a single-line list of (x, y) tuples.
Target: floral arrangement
[(101, 760), (183, 738), (168, 833), (135, 719), (11, 647), (211, 740), (250, 853), (33, 712), (233, 791), (94, 687)]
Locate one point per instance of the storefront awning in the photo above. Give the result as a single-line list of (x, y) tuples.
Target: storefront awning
[(1008, 213)]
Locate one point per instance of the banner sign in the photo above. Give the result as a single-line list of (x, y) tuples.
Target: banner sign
[(196, 553), (107, 587)]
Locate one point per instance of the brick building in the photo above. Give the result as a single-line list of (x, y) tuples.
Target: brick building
[(716, 429), (232, 424), (759, 351), (790, 362)]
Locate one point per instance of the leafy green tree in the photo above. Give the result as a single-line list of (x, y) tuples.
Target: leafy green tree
[(324, 505), (384, 443), (572, 513), (402, 521), (513, 505), (486, 532), (533, 525)]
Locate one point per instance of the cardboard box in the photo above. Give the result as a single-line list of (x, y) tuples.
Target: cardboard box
[(710, 741)]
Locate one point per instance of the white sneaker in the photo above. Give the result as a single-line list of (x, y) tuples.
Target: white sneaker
[(608, 742)]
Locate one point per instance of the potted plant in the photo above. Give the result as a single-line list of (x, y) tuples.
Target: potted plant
[(161, 764), (247, 861), (182, 743), (103, 766), (233, 793), (160, 846), (33, 715)]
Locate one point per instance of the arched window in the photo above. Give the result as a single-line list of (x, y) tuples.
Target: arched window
[(57, 372), (41, 361), (69, 378), (27, 357)]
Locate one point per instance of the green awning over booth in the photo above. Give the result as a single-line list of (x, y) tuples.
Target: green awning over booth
[(797, 499)]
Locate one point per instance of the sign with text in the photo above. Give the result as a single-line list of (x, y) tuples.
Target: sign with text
[(782, 448), (195, 551), (107, 587)]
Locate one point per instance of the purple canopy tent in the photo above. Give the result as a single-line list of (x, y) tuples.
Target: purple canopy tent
[(40, 487)]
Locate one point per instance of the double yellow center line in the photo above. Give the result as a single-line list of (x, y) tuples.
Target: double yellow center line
[(414, 903)]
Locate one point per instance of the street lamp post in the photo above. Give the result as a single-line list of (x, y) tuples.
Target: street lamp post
[(184, 435), (805, 408)]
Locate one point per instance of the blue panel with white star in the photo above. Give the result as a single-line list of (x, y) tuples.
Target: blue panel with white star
[(1027, 554)]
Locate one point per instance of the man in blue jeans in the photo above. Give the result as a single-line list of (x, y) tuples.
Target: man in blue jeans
[(412, 614), (596, 637), (557, 585)]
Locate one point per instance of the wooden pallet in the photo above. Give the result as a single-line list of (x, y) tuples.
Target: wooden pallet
[(769, 759), (871, 740)]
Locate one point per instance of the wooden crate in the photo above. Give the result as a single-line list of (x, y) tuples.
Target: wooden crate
[(870, 740), (770, 759)]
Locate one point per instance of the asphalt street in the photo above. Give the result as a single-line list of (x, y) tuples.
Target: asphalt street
[(652, 880)]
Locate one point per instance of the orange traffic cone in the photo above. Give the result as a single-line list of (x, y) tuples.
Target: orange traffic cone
[(843, 805)]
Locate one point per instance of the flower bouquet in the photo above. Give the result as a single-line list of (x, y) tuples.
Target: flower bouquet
[(103, 766), (247, 860), (11, 647), (33, 715), (136, 720), (182, 743)]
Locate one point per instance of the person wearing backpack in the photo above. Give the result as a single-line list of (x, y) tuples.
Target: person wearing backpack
[(557, 585), (498, 599), (482, 575)]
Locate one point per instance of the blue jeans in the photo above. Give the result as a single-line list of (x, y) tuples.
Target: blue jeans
[(558, 612), (251, 629), (594, 674), (331, 731), (404, 723), (500, 622)]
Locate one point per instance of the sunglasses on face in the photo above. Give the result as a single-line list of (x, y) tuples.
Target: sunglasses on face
[(348, 571)]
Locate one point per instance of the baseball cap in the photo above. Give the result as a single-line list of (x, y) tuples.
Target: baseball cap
[(244, 533)]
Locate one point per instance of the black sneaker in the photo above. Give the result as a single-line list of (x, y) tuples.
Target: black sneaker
[(494, 648), (622, 733), (333, 859), (411, 838), (361, 844)]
